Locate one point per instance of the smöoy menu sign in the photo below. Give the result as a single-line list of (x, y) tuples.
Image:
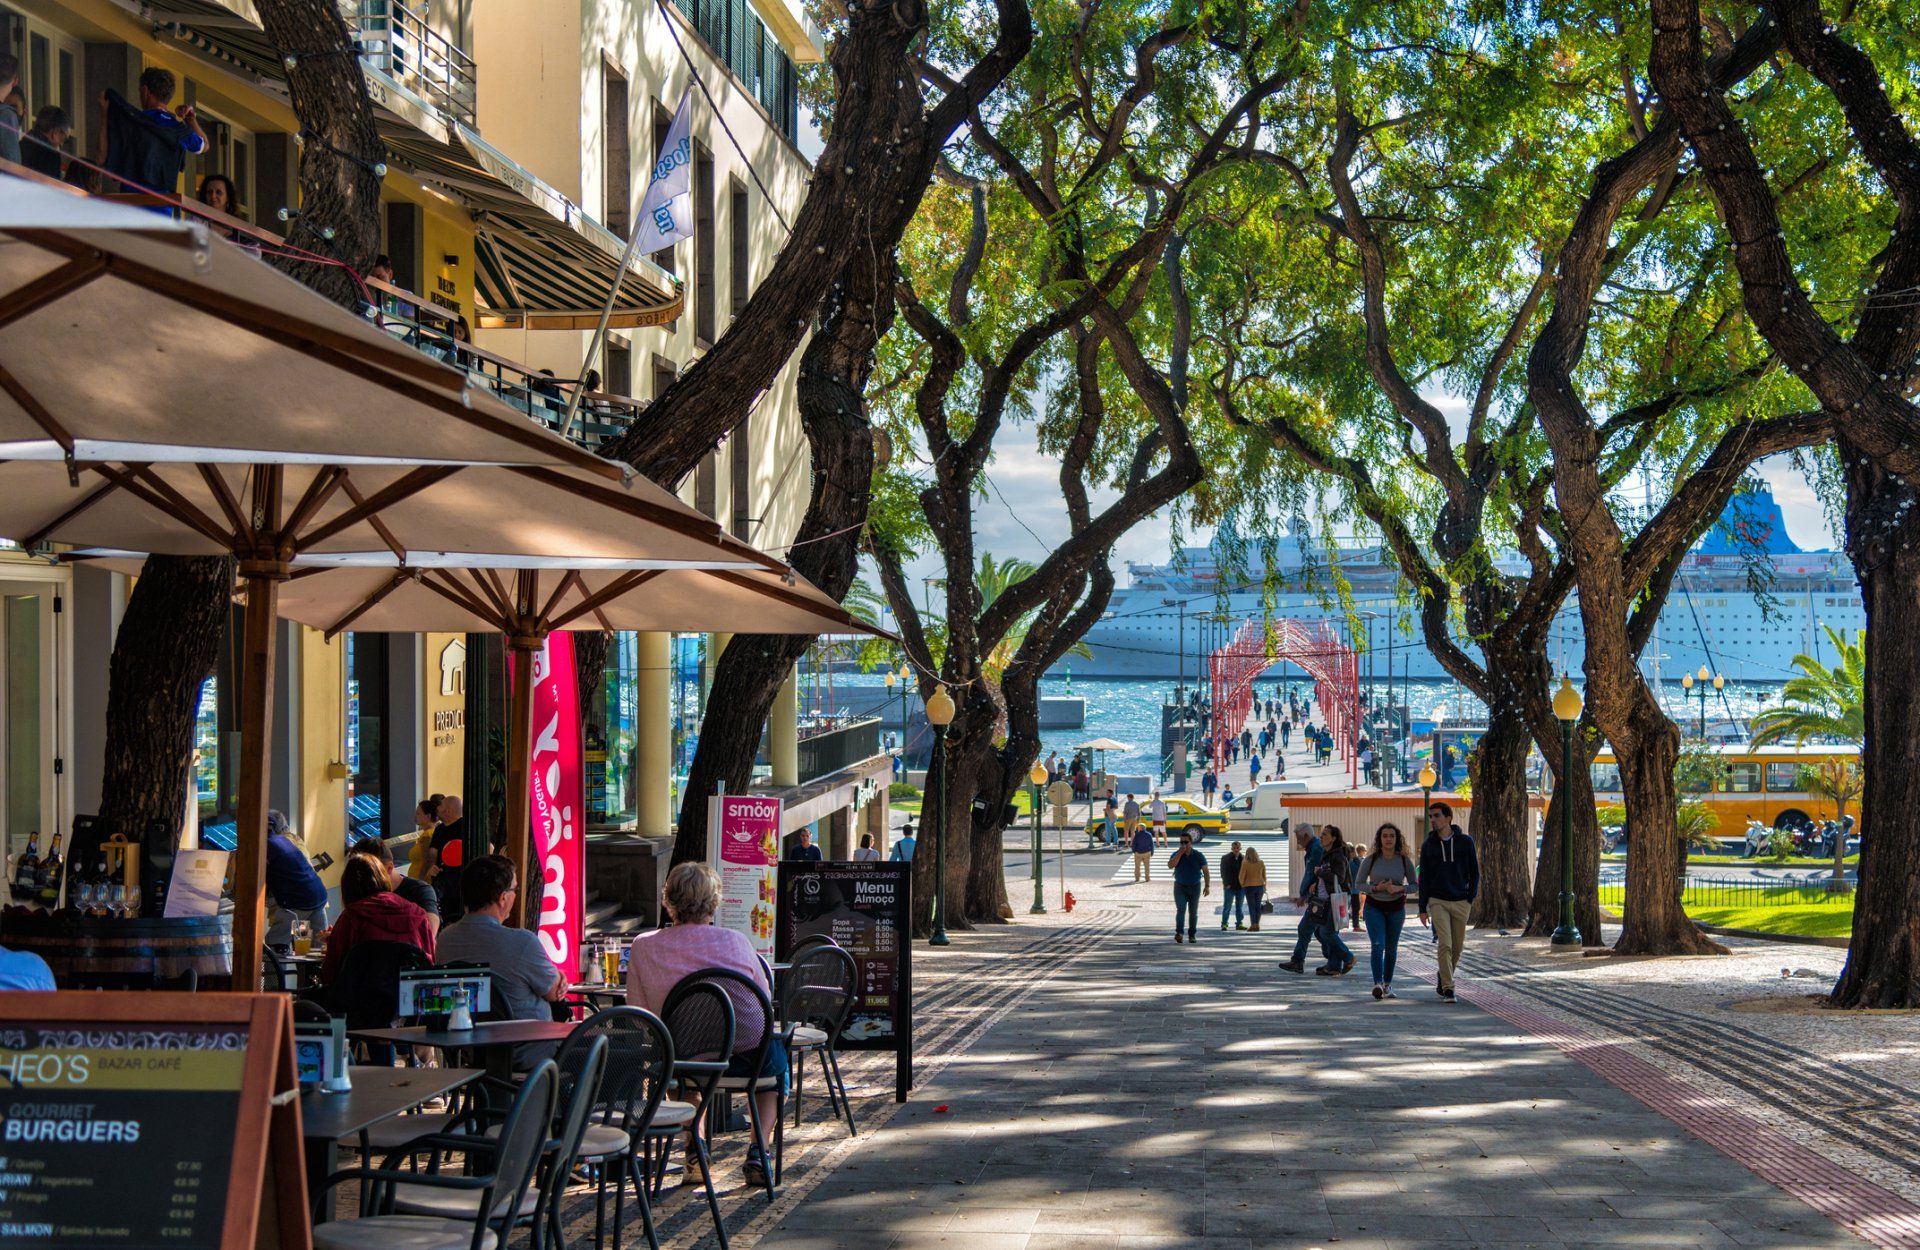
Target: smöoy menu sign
[(149, 1120), (864, 908), (744, 853)]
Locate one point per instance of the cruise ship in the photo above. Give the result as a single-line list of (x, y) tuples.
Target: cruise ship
[(1747, 599)]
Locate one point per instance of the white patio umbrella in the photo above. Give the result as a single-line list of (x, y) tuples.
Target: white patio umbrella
[(162, 391), (528, 603)]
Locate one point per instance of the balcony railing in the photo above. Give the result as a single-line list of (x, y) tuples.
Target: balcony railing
[(395, 40), (430, 329), (836, 746)]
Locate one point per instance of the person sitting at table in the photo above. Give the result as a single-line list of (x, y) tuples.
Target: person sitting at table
[(373, 913), (523, 976), (294, 890), (413, 889), (658, 960)]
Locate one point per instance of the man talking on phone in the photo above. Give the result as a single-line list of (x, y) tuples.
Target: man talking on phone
[(1191, 879)]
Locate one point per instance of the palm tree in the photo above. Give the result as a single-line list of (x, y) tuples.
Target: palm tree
[(1841, 781), (1821, 702)]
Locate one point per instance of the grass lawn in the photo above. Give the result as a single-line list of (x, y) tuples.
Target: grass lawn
[(1833, 919), (1800, 911)]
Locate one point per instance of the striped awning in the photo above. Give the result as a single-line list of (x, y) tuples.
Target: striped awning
[(539, 261)]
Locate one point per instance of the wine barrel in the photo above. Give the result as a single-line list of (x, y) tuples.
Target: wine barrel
[(101, 953)]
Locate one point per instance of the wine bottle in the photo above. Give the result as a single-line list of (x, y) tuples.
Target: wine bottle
[(26, 871), (51, 870)]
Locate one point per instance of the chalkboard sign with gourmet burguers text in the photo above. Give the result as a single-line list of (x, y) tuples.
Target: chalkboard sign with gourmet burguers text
[(146, 1120), (865, 909)]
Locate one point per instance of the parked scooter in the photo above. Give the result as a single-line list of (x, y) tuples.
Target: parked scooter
[(1759, 839)]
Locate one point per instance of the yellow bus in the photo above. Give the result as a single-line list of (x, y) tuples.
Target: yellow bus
[(1760, 783)]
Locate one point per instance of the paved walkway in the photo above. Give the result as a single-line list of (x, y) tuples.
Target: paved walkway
[(1135, 1094), (1084, 1082)]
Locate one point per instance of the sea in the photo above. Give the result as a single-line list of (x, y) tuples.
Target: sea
[(1128, 709)]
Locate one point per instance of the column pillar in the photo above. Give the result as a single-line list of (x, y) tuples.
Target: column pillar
[(716, 643), (653, 728), (783, 732)]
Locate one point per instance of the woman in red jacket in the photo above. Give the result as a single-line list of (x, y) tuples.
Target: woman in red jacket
[(373, 913)]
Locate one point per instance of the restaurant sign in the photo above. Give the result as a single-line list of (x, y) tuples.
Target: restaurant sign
[(556, 794), (745, 851)]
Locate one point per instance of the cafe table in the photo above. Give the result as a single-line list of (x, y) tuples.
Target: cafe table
[(493, 1039), (377, 1093)]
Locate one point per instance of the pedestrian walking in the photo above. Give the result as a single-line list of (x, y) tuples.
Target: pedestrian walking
[(1157, 812), (1129, 817), (1109, 829), (1191, 880), (1311, 853), (1323, 896), (1231, 900), (1253, 884), (1142, 843), (1253, 771), (1209, 784), (1286, 734), (1449, 882), (1385, 877)]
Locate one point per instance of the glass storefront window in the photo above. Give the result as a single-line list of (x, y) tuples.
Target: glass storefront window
[(366, 745), (609, 737)]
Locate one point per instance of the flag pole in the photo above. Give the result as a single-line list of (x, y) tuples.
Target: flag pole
[(644, 224)]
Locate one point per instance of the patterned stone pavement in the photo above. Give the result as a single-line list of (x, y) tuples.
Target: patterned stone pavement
[(1085, 1082)]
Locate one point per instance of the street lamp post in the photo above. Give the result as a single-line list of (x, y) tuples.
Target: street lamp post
[(1426, 789), (939, 715), (1566, 708), (1038, 776), (1707, 677)]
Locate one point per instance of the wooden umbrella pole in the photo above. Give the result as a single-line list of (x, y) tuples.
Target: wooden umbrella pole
[(263, 577), (526, 649)]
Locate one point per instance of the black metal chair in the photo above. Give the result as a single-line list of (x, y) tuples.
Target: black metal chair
[(494, 1188), (640, 1062), (700, 1020), (822, 982), (755, 1030), (581, 1065)]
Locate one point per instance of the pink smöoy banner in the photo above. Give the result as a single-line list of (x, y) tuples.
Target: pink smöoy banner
[(558, 800)]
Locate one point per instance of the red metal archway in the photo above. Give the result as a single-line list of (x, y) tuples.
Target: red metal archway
[(1317, 648)]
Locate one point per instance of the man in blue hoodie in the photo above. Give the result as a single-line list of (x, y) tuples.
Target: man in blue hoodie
[(1449, 882)]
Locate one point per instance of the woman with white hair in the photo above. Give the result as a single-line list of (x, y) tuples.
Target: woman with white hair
[(659, 960)]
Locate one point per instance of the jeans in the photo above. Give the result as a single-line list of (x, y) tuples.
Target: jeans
[(1253, 894), (1232, 903), (1307, 932), (1186, 904), (1383, 933), (1339, 955)]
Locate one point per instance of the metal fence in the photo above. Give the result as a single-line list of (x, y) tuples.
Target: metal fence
[(1703, 892), (837, 748)]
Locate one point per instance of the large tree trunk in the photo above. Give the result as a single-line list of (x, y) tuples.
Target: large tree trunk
[(1501, 828), (1655, 923), (1883, 537), (952, 774), (833, 373), (152, 694)]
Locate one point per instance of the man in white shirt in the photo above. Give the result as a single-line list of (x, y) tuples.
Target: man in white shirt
[(1157, 810)]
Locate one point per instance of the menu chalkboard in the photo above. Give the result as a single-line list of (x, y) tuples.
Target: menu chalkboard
[(142, 1120), (865, 908)]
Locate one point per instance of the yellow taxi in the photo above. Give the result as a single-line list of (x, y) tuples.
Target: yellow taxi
[(1184, 815)]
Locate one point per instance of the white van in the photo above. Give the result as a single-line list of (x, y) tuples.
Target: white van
[(1263, 807)]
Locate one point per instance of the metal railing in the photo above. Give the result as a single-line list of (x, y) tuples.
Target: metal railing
[(396, 40), (844, 745), (1737, 892), (429, 329)]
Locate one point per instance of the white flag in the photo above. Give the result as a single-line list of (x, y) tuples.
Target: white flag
[(666, 211)]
